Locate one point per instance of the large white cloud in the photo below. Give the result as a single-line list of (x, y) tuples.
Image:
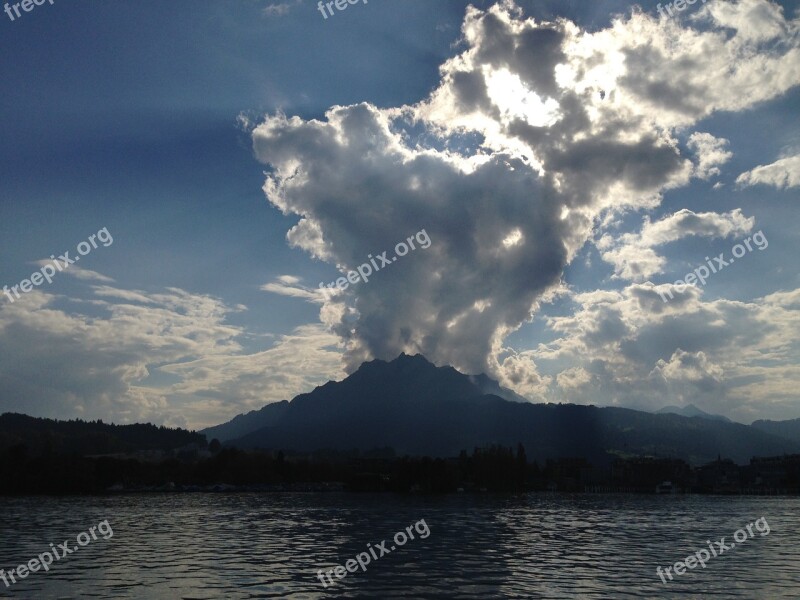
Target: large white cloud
[(355, 179), (537, 134)]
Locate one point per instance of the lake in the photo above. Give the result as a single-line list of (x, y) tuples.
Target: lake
[(204, 546)]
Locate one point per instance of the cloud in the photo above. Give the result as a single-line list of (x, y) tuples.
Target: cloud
[(688, 223), (693, 367), (280, 9), (633, 256), (168, 357), (783, 173), (87, 275), (536, 133), (288, 285), (629, 348), (77, 272), (307, 357), (575, 377), (752, 20), (710, 152), (355, 180), (520, 373)]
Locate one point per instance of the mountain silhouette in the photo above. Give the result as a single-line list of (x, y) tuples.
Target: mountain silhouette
[(690, 410), (416, 408)]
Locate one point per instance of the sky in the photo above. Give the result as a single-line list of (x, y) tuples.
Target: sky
[(537, 177)]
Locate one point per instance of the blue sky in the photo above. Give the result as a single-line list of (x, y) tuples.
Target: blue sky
[(126, 117), (162, 122)]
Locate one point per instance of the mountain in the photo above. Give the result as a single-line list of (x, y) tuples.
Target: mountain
[(690, 410), (420, 409), (271, 414), (785, 429), (243, 424), (88, 437)]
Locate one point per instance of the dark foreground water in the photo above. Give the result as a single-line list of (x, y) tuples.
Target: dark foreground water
[(271, 546)]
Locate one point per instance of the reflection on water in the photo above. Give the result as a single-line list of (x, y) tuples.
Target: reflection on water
[(202, 546)]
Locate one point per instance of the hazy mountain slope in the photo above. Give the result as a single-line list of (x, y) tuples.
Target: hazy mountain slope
[(243, 424), (787, 429)]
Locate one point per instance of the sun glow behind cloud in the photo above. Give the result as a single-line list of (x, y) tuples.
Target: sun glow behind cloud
[(515, 100)]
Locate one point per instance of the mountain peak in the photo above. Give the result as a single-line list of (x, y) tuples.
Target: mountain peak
[(401, 359), (417, 408), (690, 410)]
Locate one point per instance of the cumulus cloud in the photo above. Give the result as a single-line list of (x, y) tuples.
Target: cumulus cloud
[(752, 20), (632, 349), (710, 152), (688, 223), (519, 372), (354, 178), (537, 133), (633, 256), (693, 367), (783, 173)]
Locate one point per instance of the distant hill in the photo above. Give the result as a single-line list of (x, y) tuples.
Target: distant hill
[(690, 410), (420, 409), (87, 437), (785, 429)]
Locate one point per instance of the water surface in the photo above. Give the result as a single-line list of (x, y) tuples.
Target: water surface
[(237, 546)]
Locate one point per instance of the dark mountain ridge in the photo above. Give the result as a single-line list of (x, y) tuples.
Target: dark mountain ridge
[(88, 437), (420, 409)]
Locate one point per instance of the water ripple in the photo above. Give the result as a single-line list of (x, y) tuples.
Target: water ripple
[(209, 546)]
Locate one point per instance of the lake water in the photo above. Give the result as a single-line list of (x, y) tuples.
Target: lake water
[(204, 546)]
